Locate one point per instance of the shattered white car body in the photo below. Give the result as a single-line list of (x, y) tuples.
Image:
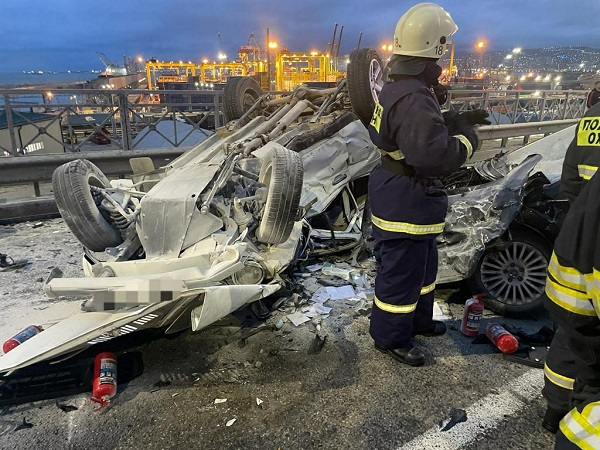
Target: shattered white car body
[(201, 260)]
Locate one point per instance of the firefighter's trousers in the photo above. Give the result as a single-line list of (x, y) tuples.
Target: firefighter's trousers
[(404, 290), (560, 370)]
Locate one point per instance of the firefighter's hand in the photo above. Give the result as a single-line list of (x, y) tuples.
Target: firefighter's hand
[(441, 93), (476, 117)]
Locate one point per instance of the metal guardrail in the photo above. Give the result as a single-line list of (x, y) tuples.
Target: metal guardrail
[(113, 163), (129, 117), (37, 169), (125, 117), (520, 106)]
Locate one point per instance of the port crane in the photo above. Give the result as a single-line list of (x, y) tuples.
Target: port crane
[(111, 68)]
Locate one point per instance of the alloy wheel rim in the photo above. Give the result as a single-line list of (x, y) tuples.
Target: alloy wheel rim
[(515, 275), (375, 79)]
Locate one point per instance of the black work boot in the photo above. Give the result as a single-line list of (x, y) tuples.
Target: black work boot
[(552, 418), (437, 328), (412, 356)]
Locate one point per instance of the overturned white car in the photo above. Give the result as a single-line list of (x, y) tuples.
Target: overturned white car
[(182, 246)]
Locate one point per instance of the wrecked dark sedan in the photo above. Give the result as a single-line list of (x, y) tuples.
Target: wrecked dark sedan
[(503, 217)]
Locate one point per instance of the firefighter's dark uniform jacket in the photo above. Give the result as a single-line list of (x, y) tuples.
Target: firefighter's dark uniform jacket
[(408, 205), (573, 291), (581, 162), (583, 155), (409, 129)]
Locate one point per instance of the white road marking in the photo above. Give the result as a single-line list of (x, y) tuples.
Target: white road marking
[(484, 415)]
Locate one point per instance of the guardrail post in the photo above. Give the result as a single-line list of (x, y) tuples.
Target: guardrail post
[(11, 128), (515, 109), (563, 113), (217, 99), (543, 107), (125, 122), (486, 101)]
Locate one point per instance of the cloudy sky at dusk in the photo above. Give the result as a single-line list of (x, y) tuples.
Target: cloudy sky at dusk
[(65, 34)]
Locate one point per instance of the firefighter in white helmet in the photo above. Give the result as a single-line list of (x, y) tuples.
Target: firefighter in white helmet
[(407, 200)]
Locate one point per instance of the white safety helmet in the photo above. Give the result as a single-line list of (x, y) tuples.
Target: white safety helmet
[(423, 31)]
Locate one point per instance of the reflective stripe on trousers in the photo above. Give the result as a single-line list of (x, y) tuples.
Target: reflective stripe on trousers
[(403, 309), (558, 379)]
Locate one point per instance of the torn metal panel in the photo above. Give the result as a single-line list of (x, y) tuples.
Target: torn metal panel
[(330, 165), (168, 208), (476, 217)]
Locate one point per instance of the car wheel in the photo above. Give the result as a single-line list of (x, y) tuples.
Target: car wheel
[(239, 95), (78, 206), (283, 173), (365, 81), (513, 276)]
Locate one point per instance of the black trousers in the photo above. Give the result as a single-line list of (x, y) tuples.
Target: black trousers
[(403, 290), (560, 364)]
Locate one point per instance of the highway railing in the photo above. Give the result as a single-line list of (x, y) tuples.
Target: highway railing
[(79, 120), (76, 120), (34, 170)]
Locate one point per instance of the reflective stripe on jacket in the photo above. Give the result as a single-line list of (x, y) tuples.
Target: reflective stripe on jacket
[(582, 428)]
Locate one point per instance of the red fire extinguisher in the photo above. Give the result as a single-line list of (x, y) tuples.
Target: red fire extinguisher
[(501, 338), (105, 379), (21, 337), (472, 315)]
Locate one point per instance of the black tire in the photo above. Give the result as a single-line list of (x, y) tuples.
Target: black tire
[(239, 95), (71, 185), (512, 276), (365, 80), (283, 174)]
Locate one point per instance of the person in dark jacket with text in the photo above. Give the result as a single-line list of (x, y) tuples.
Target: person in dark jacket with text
[(407, 200), (581, 162)]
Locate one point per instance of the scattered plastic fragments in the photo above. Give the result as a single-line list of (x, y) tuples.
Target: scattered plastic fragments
[(340, 293), (259, 402), (279, 324), (220, 400), (230, 422), (23, 426), (456, 416), (298, 318), (66, 408), (175, 394)]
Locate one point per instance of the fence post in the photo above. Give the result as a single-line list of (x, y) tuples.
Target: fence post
[(564, 108), (11, 127), (217, 99), (125, 122)]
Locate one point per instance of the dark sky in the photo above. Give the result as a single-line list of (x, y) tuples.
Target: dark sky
[(65, 34)]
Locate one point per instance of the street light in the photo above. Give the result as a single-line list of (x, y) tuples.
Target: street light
[(271, 46), (480, 46), (515, 52)]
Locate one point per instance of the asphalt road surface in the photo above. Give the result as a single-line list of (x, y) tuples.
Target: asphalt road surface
[(281, 390)]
